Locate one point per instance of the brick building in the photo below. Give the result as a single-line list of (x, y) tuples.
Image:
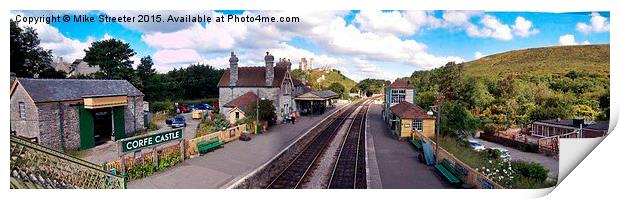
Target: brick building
[(272, 81), (397, 92), (406, 118), (75, 114)]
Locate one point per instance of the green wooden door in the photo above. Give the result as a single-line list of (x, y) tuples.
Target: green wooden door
[(87, 129), (119, 122)]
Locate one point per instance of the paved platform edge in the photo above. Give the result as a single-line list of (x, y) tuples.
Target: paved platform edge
[(373, 178), (237, 182)]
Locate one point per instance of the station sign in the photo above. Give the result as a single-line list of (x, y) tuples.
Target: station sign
[(140, 142)]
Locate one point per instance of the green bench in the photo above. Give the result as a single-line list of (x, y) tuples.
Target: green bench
[(448, 170), (417, 143), (208, 145)]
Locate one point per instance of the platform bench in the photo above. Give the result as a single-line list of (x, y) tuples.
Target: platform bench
[(208, 145), (446, 169), (417, 143)]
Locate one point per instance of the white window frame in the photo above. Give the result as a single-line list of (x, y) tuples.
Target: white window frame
[(417, 123), (22, 110)]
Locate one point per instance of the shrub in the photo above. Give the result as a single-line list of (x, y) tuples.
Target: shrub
[(162, 106), (531, 170), (492, 153), (529, 147), (152, 126)]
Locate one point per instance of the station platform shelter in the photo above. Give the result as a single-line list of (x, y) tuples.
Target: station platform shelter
[(315, 102)]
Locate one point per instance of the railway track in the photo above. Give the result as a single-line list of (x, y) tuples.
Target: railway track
[(294, 174), (349, 171)]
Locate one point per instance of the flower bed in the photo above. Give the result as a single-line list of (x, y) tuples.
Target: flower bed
[(509, 174)]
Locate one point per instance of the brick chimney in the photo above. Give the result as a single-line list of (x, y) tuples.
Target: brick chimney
[(269, 69), (234, 69)]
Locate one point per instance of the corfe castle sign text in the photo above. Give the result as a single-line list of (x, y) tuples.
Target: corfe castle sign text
[(137, 143)]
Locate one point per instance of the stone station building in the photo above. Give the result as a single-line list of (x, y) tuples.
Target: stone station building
[(272, 81), (75, 114)]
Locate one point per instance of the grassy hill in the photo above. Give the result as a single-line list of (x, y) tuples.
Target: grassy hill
[(521, 86), (320, 79), (557, 60)]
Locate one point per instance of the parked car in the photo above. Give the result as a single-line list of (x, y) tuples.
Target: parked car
[(184, 109), (245, 137), (169, 121), (504, 154), (204, 107), (197, 114), (475, 145), (178, 121)]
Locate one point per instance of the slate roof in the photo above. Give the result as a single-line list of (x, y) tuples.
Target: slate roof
[(253, 77), (325, 93), (406, 110), (51, 90), (243, 101), (597, 125), (399, 83), (62, 66)]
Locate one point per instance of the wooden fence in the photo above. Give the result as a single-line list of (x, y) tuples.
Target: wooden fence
[(230, 134), (472, 177), (190, 149)]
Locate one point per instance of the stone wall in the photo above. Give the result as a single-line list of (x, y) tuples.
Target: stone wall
[(28, 126), (54, 114), (134, 121)]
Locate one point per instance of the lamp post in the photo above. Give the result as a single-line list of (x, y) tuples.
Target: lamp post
[(257, 107), (437, 108)]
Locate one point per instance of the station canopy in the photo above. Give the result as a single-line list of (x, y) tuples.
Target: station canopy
[(317, 95)]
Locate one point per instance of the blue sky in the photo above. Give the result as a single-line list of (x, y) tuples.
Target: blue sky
[(362, 44)]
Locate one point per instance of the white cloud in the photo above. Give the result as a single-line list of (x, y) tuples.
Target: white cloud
[(61, 46), (491, 27), (152, 26), (364, 69), (478, 55), (523, 27), (568, 39), (459, 18), (598, 23), (328, 31), (395, 22)]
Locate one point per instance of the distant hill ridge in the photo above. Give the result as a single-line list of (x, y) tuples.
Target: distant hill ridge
[(542, 61)]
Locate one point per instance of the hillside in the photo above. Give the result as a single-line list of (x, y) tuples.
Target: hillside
[(557, 60), (518, 87), (320, 79)]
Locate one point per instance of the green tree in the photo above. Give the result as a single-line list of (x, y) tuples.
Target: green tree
[(425, 99), (27, 58), (604, 105), (197, 81), (266, 110), (144, 75), (113, 58), (337, 88), (476, 95), (456, 119), (372, 85), (354, 90)]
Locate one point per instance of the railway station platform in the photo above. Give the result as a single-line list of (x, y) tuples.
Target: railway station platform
[(222, 167), (397, 165)]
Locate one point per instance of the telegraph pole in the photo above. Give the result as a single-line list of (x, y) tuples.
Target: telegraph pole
[(438, 100)]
